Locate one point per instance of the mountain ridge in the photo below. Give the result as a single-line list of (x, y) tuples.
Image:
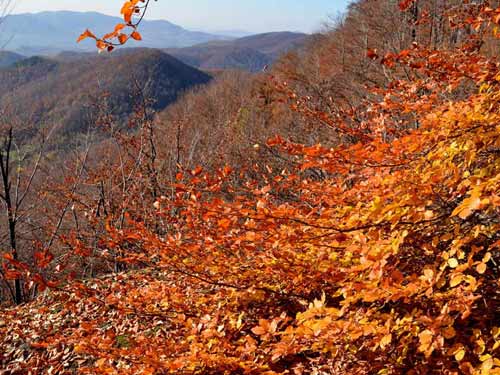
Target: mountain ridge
[(251, 53), (69, 88), (51, 32)]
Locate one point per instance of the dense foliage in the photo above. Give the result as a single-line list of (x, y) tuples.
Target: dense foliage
[(375, 254)]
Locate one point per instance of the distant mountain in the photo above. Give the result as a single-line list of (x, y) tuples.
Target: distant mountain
[(273, 44), (232, 33), (48, 33), (47, 90), (9, 58), (222, 57), (251, 53)]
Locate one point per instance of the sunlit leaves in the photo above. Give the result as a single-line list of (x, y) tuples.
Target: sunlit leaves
[(86, 34), (459, 354), (453, 263), (481, 268), (468, 206), (122, 38), (119, 35), (135, 35)]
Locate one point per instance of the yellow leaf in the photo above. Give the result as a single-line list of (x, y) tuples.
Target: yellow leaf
[(456, 280), (487, 365), (496, 345), (429, 274), (459, 355), (386, 340), (428, 214), (101, 362), (239, 323), (453, 262), (78, 348), (485, 358), (495, 331), (425, 338)]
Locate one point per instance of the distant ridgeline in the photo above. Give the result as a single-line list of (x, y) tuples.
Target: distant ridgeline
[(53, 33)]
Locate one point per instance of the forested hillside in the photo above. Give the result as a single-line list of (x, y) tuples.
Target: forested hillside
[(252, 53), (336, 214), (9, 58), (67, 93)]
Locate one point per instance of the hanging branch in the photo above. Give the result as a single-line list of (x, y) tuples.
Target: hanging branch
[(133, 14)]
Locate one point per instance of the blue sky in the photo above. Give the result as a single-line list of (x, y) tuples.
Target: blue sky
[(212, 15)]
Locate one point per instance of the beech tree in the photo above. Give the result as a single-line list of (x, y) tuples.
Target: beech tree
[(133, 12)]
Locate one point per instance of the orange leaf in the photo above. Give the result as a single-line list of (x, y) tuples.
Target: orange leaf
[(101, 45), (135, 35), (39, 345), (224, 223), (481, 268), (426, 339), (86, 34), (122, 38), (127, 11), (119, 27), (468, 206)]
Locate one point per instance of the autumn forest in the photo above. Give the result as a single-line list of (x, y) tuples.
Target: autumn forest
[(336, 212)]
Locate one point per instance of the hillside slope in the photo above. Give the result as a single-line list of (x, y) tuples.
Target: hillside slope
[(54, 91), (251, 53), (8, 58)]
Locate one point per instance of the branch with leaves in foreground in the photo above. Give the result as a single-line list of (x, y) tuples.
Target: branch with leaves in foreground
[(133, 14)]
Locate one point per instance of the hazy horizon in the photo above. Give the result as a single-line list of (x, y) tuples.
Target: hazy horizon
[(212, 15)]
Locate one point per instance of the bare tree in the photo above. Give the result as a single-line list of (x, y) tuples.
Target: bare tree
[(6, 7), (18, 170)]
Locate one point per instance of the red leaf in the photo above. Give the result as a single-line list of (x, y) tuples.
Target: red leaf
[(405, 4), (372, 54), (197, 171)]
